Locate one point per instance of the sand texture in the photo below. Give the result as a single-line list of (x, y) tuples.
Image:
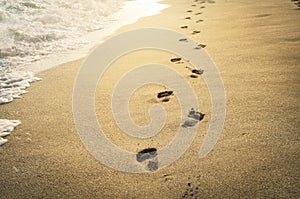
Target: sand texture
[(255, 45)]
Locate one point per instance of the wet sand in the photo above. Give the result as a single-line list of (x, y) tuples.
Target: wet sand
[(256, 47)]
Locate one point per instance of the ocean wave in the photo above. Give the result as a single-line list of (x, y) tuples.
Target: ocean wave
[(30, 29)]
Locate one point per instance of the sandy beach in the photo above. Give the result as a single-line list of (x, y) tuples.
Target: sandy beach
[(255, 45)]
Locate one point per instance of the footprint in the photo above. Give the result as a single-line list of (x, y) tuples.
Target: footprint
[(189, 123), (177, 59), (200, 46), (202, 7), (188, 18), (262, 15), (198, 13), (194, 76), (211, 1), (145, 154), (196, 32), (198, 21), (166, 100), (184, 27), (183, 40), (152, 165), (189, 11), (196, 115), (148, 158), (164, 94), (198, 71), (194, 5), (195, 72)]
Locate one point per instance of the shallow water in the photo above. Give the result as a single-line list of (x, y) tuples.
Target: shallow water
[(33, 30)]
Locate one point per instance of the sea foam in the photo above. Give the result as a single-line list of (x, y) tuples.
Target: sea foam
[(31, 29), (6, 127), (14, 83)]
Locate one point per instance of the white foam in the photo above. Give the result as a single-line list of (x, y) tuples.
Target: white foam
[(60, 28), (129, 12), (6, 127), (14, 83), (30, 29)]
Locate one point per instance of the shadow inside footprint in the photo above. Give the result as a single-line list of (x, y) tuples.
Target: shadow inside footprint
[(183, 39), (262, 15), (200, 46), (198, 71), (152, 165), (198, 21), (188, 18), (145, 154), (166, 100), (164, 94), (196, 32), (189, 123), (184, 27), (189, 11), (194, 76), (196, 115), (177, 59)]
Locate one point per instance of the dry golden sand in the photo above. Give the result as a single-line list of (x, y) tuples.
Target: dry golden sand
[(255, 45)]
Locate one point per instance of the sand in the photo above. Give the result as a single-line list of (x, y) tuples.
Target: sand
[(255, 45)]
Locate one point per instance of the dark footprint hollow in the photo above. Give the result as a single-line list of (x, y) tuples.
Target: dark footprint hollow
[(152, 166), (189, 123), (263, 15), (183, 39), (196, 32), (198, 71), (200, 46), (194, 76), (196, 115), (184, 27), (175, 59), (198, 21), (165, 100), (145, 154), (188, 18), (164, 94)]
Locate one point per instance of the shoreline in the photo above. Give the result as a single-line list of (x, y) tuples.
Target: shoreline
[(257, 155), (25, 72), (96, 37)]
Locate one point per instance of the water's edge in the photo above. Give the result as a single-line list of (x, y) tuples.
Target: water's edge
[(139, 7), (14, 81)]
